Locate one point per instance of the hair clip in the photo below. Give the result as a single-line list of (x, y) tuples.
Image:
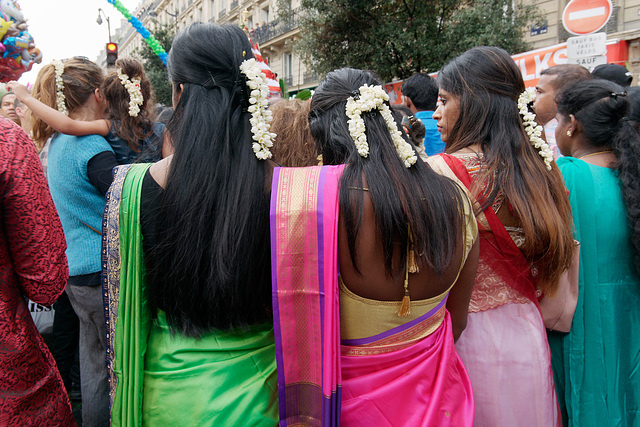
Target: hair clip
[(615, 95), (244, 53), (355, 94), (211, 77)]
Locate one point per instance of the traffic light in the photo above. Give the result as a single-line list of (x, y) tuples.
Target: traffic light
[(112, 54)]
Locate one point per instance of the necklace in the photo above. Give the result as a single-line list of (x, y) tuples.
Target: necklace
[(593, 154)]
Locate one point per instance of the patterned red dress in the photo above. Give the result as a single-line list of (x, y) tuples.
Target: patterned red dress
[(33, 264)]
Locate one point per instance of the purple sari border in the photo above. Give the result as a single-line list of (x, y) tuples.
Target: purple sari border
[(397, 329), (321, 260), (277, 330), (331, 405)]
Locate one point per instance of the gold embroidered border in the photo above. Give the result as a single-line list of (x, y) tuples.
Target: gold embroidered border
[(398, 341)]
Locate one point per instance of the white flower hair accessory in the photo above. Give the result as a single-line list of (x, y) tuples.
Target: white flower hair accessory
[(258, 107), (60, 99), (135, 94), (370, 98), (534, 130)]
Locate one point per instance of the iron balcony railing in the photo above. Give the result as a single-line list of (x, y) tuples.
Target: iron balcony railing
[(277, 27)]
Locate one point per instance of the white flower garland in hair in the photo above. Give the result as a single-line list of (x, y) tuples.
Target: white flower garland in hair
[(374, 97), (135, 93), (534, 130), (60, 99), (260, 114)]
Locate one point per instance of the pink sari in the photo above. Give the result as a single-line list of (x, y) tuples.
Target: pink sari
[(504, 346), (400, 377)]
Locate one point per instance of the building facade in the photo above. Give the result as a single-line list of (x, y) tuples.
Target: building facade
[(275, 36)]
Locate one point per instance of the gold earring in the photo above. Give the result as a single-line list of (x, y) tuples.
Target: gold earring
[(568, 133)]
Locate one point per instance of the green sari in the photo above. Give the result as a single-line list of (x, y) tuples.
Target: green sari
[(597, 365), (161, 378)]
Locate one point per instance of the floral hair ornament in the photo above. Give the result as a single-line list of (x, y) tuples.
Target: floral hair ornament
[(370, 98), (533, 129), (258, 107), (135, 94), (60, 99)]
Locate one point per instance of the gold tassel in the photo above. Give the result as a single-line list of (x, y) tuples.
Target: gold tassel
[(412, 264), (405, 305)]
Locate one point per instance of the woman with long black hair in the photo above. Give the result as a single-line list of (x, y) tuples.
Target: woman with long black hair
[(369, 299), (596, 365), (187, 251), (494, 148)]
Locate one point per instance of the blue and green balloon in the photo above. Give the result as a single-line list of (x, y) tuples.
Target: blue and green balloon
[(148, 37)]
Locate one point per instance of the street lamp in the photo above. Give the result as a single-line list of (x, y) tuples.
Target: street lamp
[(99, 21), (173, 15)]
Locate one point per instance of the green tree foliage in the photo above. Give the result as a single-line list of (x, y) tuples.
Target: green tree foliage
[(396, 38), (153, 66), (491, 23)]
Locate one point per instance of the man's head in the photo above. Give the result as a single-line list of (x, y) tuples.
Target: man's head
[(553, 80), (6, 106), (614, 73), (420, 92)]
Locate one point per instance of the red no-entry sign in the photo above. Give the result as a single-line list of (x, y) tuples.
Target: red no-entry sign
[(582, 17)]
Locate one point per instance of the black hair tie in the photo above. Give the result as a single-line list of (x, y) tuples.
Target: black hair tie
[(355, 94)]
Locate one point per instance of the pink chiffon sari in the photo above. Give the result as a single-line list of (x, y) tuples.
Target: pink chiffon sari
[(396, 378), (504, 346)]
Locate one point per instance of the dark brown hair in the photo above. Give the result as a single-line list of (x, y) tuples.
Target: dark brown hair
[(488, 83), (81, 78), (131, 129), (293, 146)]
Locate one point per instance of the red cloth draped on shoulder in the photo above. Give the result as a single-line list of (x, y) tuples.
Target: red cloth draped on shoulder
[(497, 249)]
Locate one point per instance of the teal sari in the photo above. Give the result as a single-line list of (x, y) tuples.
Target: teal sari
[(160, 378), (597, 365)]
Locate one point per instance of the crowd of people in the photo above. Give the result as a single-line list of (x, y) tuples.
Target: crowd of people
[(251, 260)]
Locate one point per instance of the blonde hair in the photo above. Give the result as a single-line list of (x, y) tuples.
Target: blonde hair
[(81, 77)]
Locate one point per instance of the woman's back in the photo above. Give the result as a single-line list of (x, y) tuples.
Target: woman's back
[(400, 242), (192, 250), (605, 316), (372, 282), (613, 239)]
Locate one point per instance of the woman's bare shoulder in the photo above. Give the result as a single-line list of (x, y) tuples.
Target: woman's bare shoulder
[(160, 170)]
